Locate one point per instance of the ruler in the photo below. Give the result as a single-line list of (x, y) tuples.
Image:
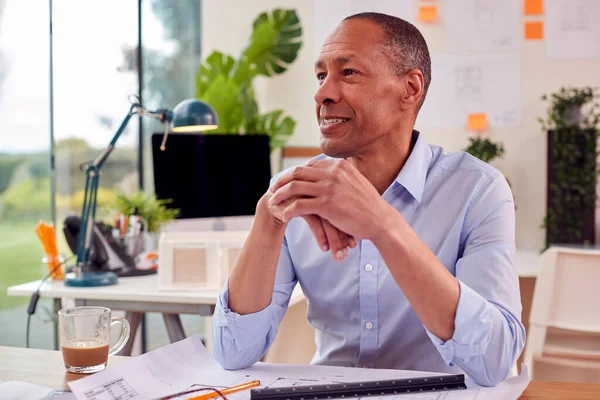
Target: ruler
[(362, 389)]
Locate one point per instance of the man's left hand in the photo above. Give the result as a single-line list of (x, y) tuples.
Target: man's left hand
[(335, 191)]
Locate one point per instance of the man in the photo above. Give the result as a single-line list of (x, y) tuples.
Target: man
[(405, 253)]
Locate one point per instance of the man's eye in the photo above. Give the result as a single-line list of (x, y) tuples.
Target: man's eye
[(348, 72), (321, 76)]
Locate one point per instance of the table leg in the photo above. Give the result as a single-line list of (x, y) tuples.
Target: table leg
[(56, 305), (134, 319), (174, 327)]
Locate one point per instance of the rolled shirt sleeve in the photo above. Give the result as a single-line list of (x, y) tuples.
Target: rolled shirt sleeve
[(488, 335), (241, 340)]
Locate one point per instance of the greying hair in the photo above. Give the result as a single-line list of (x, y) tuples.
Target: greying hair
[(405, 45)]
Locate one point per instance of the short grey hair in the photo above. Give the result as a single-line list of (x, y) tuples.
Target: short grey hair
[(404, 44)]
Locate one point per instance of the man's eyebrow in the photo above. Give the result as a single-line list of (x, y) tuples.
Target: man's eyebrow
[(337, 60)]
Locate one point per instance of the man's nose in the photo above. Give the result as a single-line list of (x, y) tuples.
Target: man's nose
[(328, 92)]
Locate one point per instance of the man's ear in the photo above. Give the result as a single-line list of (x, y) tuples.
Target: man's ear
[(413, 91)]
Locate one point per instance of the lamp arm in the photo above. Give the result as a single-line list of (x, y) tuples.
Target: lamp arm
[(104, 155), (88, 211)]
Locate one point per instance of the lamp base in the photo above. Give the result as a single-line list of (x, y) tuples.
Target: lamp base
[(89, 279)]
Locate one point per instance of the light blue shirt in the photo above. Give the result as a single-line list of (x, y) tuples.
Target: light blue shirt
[(463, 210)]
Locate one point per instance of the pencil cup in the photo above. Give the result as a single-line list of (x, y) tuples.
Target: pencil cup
[(55, 266)]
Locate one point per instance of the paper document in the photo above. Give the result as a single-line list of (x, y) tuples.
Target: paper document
[(187, 364), (483, 25), (463, 85), (17, 390), (572, 28)]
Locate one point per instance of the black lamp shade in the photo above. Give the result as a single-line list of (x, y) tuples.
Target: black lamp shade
[(193, 115)]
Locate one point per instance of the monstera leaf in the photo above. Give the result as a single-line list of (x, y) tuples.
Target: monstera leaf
[(223, 95), (226, 84), (275, 42), (279, 129), (215, 64)]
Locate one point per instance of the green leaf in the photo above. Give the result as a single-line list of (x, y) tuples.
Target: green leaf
[(275, 42), (215, 64), (223, 95), (227, 84), (277, 128), (154, 212)]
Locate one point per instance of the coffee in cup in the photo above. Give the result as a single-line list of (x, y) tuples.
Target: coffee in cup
[(85, 338)]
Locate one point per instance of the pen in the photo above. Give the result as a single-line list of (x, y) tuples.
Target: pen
[(230, 390)]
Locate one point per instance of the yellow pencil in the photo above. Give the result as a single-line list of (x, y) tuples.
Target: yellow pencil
[(230, 390)]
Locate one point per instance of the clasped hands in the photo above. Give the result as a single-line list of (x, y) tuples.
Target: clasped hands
[(339, 204)]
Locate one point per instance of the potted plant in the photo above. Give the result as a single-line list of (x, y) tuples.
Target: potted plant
[(154, 213), (571, 124), (484, 149), (227, 83)]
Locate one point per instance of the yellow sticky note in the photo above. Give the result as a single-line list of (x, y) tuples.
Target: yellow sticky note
[(534, 30), (533, 7), (477, 122), (427, 13)]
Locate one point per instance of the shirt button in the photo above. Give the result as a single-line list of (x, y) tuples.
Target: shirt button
[(369, 325), (368, 267)]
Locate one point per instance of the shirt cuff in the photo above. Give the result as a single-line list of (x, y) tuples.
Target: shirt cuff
[(472, 328), (247, 330)]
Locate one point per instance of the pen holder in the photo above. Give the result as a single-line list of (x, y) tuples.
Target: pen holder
[(54, 266)]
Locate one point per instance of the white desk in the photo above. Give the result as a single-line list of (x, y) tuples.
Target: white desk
[(136, 295)]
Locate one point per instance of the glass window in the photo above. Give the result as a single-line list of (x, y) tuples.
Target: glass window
[(91, 91), (95, 69), (171, 55), (24, 163), (170, 59)]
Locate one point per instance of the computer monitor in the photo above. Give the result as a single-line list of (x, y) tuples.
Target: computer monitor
[(211, 175)]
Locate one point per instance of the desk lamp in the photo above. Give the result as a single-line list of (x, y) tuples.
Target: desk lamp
[(188, 116)]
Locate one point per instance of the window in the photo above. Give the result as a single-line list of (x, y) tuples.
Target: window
[(95, 68), (25, 186)]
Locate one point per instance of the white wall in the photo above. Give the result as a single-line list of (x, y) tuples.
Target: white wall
[(226, 27)]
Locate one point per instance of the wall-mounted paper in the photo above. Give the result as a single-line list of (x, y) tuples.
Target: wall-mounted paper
[(477, 122), (428, 13), (483, 25), (329, 13), (462, 85), (534, 30), (573, 28), (533, 7)]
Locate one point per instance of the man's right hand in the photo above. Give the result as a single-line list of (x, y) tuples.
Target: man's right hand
[(328, 236)]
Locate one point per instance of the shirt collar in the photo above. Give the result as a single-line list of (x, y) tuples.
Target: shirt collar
[(413, 174)]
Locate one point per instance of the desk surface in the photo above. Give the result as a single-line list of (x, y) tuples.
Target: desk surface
[(41, 367), (139, 288), (45, 368), (134, 289), (145, 288)]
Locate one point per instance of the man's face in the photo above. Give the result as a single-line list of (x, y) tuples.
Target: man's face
[(358, 100)]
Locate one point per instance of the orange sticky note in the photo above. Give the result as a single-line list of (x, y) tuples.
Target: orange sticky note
[(477, 122), (533, 7), (534, 30), (427, 13)]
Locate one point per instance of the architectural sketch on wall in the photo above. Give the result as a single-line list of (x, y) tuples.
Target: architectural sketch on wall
[(573, 28), (483, 25)]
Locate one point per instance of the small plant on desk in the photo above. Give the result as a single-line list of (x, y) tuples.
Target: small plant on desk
[(153, 211)]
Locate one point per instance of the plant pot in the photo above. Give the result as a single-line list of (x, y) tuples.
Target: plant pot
[(573, 115), (150, 241), (569, 218)]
